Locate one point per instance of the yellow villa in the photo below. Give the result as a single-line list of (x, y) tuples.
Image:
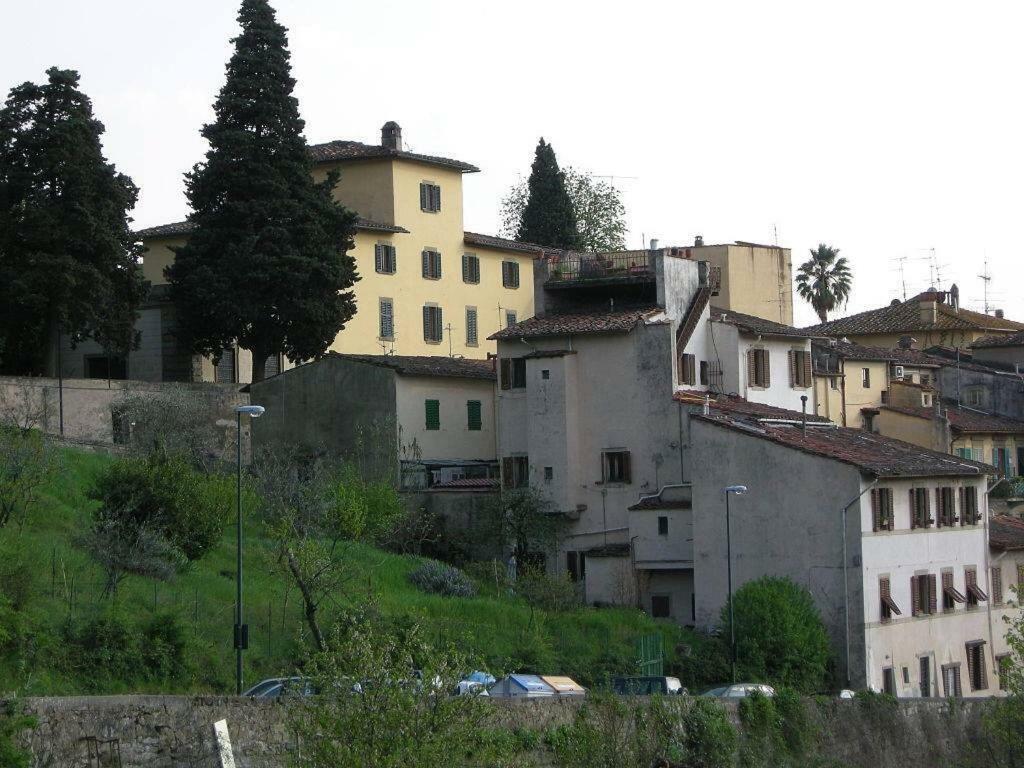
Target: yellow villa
[(427, 287)]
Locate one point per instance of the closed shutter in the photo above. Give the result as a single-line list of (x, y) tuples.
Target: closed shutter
[(424, 201), (473, 418), (506, 373), (915, 597), (433, 414), (426, 263), (933, 595), (751, 368), (997, 585), (436, 202), (913, 508), (465, 268), (432, 324), (926, 512), (876, 511), (272, 366), (794, 377), (766, 373), (225, 370), (808, 373), (957, 690), (940, 508), (471, 329), (387, 319), (378, 257), (507, 480), (514, 267)]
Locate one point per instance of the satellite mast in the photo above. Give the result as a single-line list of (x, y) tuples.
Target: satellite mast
[(986, 278)]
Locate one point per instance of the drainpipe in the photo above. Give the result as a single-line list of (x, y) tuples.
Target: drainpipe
[(846, 578)]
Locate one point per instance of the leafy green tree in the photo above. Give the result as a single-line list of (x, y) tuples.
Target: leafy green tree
[(267, 264), (548, 216), (68, 260), (780, 637), (1004, 721), (26, 464), (824, 280), (597, 205), (522, 521)]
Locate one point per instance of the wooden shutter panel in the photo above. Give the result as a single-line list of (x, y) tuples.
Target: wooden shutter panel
[(915, 597), (876, 512), (515, 274), (947, 583), (426, 324), (933, 595), (970, 665), (426, 263), (506, 473), (808, 373), (437, 198), (913, 509), (940, 508), (793, 382), (997, 584), (506, 373), (423, 197), (378, 257), (751, 368), (766, 376), (926, 512)]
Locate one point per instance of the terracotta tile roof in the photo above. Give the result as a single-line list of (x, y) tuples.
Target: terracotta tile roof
[(571, 323), (905, 317), (1005, 532), (342, 150), (427, 365), (734, 404), (471, 483), (503, 244), (1016, 340), (872, 453), (656, 502), (965, 420), (178, 228), (851, 351), (757, 325)]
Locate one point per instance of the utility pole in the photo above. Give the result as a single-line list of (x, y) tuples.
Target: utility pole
[(986, 278)]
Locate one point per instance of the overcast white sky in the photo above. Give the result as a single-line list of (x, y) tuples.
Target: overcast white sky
[(885, 129)]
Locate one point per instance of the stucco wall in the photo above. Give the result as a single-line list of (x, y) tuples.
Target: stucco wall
[(732, 346), (928, 433), (1006, 355), (1001, 394), (454, 440), (756, 280)]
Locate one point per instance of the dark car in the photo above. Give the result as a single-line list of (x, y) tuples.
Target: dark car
[(648, 686)]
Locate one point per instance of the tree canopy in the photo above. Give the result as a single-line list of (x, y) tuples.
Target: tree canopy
[(68, 260), (267, 264), (548, 217), (824, 280)]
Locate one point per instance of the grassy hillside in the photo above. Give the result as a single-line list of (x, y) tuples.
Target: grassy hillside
[(62, 638)]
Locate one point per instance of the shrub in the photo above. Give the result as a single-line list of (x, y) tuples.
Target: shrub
[(12, 722), (549, 593), (442, 579)]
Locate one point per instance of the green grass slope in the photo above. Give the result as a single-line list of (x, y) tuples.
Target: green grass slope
[(60, 638)]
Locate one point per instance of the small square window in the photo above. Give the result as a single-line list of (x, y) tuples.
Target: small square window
[(545, 374), (510, 274), (616, 467), (663, 526), (510, 318), (433, 412), (549, 473), (661, 606), (430, 197)]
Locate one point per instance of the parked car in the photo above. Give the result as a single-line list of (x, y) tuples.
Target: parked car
[(740, 690), (648, 686), (475, 683), (276, 687), (846, 693)]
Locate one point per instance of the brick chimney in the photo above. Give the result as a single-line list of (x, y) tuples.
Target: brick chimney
[(928, 306), (391, 135)]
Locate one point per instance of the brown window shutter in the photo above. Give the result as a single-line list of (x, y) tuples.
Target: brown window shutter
[(926, 512), (793, 382), (997, 584), (963, 509), (506, 373), (957, 690), (876, 512), (751, 368), (970, 665), (933, 596), (915, 597), (890, 516), (507, 481), (766, 365), (940, 508), (913, 508), (808, 373), (947, 584)]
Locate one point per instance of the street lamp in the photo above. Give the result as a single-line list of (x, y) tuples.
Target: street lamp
[(739, 490), (241, 630)]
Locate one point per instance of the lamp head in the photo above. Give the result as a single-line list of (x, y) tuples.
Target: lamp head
[(254, 411), (739, 490)]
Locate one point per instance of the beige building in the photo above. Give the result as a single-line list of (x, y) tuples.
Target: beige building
[(932, 318), (426, 287)]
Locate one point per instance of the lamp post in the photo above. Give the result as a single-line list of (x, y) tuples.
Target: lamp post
[(739, 490), (241, 630)]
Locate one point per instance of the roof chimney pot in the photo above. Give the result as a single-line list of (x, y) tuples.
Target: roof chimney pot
[(999, 314), (391, 135), (698, 241), (654, 243)]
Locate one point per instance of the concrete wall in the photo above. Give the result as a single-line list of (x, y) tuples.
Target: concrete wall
[(677, 585), (1010, 356), (454, 440), (610, 581), (1001, 394)]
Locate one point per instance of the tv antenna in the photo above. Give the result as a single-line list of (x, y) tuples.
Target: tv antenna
[(612, 178), (986, 278)]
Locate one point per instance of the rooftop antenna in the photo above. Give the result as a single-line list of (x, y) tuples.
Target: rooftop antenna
[(775, 230), (612, 178), (986, 278), (902, 260), (451, 352)]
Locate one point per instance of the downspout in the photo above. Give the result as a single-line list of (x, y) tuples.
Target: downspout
[(842, 393), (682, 469), (846, 578)]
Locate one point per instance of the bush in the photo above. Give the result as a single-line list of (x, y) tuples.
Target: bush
[(549, 593), (780, 637), (12, 722), (441, 579)]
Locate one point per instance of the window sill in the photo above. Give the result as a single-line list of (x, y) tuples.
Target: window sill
[(380, 272), (470, 282), (431, 341), (386, 338), (510, 287), (429, 277)]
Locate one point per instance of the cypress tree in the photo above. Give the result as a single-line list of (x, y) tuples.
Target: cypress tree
[(68, 260), (266, 265), (549, 217)]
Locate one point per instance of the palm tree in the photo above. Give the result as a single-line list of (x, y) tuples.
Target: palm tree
[(824, 280)]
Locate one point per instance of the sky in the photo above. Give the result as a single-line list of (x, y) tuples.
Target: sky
[(891, 131)]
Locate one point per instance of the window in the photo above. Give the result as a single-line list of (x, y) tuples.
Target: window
[(106, 367), (976, 672), (510, 318), (470, 268), (549, 474), (799, 368), (662, 525), (272, 366), (545, 374), (471, 327), (387, 319), (758, 368), (510, 274), (385, 259), (920, 514), (687, 369), (881, 509), (964, 453), (865, 377), (946, 507), (1003, 666), (888, 605), (889, 681), (430, 197), (576, 564), (923, 597), (714, 374), (615, 467), (973, 396), (661, 606), (833, 382), (926, 380), (515, 472), (431, 265), (1001, 461), (996, 584), (975, 594), (925, 676), (513, 372), (704, 372), (950, 594), (951, 681), (969, 506), (433, 409), (432, 328), (474, 420), (224, 372)]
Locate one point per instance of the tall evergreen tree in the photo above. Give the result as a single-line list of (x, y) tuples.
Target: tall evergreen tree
[(548, 217), (68, 260), (267, 264)]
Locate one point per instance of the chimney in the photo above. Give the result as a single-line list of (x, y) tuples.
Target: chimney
[(928, 308), (654, 243), (698, 241), (391, 135), (999, 314), (954, 297)]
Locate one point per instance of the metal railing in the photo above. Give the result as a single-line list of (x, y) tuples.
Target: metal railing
[(600, 266)]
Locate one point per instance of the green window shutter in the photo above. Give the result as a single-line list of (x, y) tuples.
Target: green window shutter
[(433, 408), (473, 413)]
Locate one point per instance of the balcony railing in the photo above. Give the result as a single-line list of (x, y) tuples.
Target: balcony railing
[(600, 266)]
